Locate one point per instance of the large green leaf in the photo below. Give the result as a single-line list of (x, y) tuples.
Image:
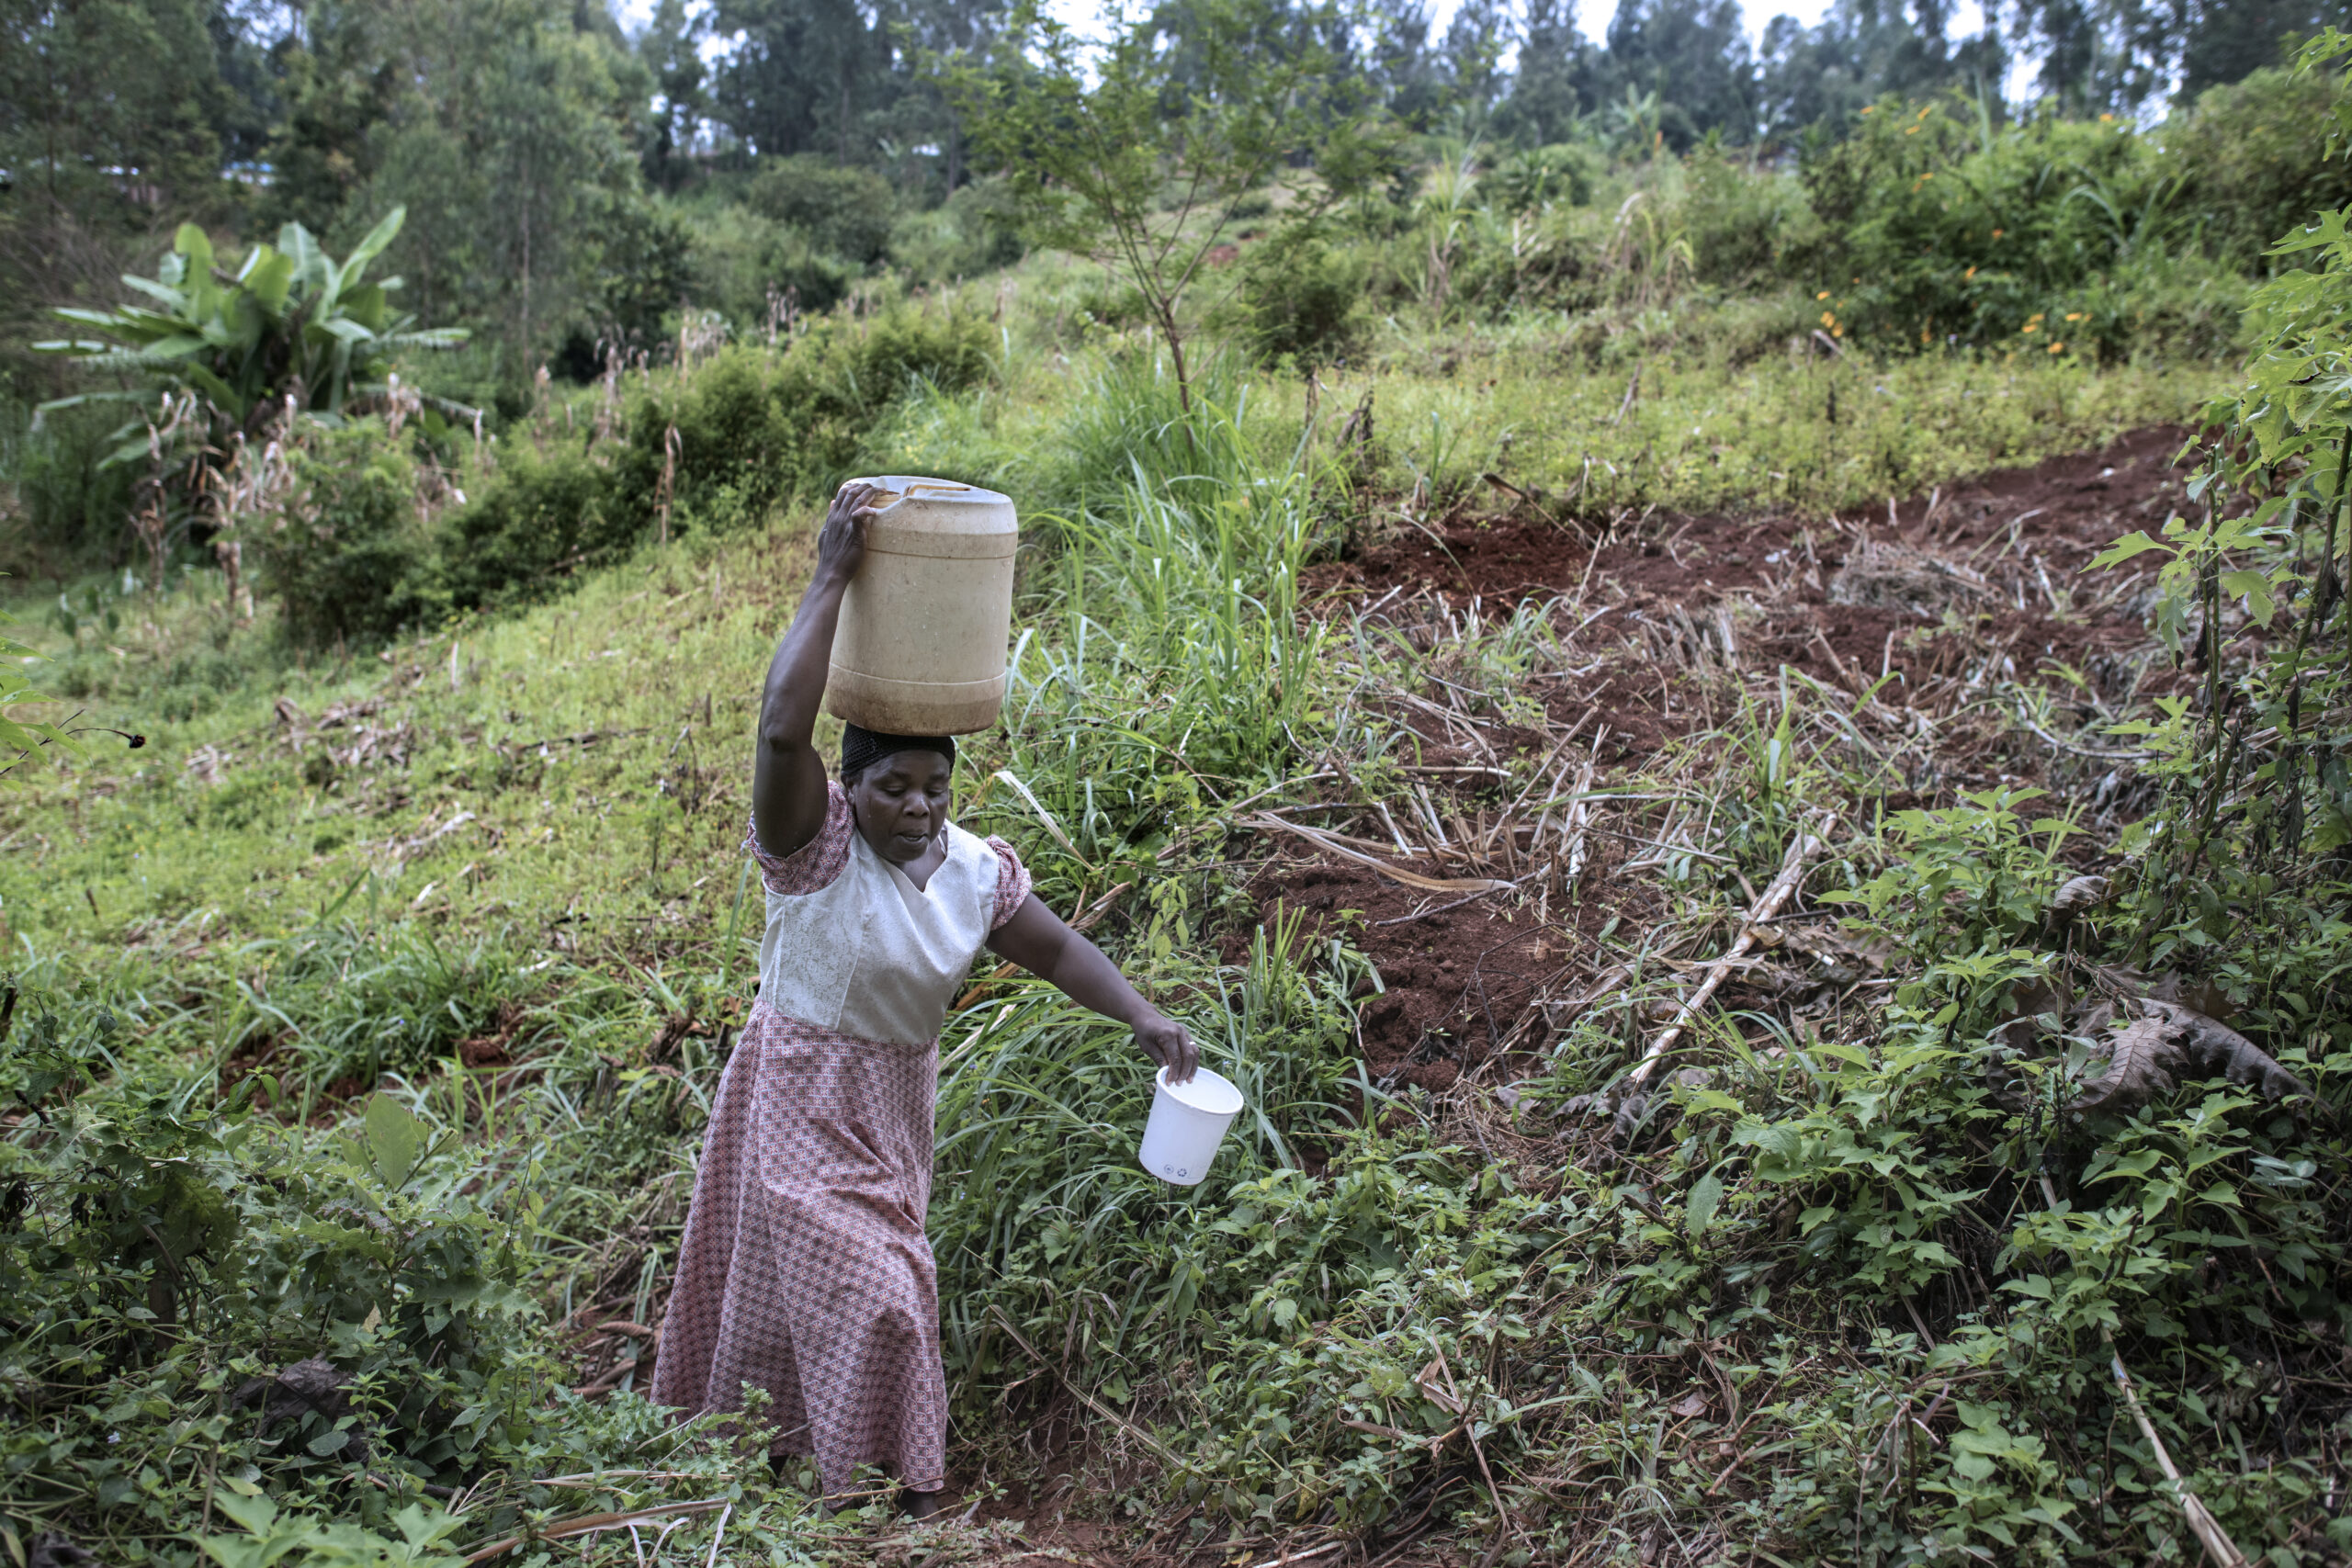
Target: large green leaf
[(268, 276), (371, 247), (395, 1139), (194, 244)]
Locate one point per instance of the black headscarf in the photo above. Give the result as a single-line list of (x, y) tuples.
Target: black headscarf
[(862, 748)]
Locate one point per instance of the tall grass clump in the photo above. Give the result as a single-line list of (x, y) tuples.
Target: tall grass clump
[(1167, 667)]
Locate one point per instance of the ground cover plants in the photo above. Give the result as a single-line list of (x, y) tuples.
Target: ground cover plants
[(1778, 906)]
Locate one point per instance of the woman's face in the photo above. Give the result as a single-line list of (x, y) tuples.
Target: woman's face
[(901, 802)]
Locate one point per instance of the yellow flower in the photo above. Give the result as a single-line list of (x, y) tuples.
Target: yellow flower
[(2057, 348), (1911, 130), (1822, 295), (1970, 272), (2107, 119), (2033, 326), (1923, 114), (1828, 319), (1870, 108), (1999, 233), (2074, 315)]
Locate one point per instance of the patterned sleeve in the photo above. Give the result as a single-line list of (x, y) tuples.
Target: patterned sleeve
[(814, 866), (1011, 883)]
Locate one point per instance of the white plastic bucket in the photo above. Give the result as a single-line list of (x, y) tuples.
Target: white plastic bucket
[(1188, 1121)]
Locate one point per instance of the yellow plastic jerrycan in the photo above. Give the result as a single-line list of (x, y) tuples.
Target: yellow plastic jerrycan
[(921, 644)]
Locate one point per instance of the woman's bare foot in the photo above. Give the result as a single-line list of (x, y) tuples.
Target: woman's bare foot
[(935, 1506)]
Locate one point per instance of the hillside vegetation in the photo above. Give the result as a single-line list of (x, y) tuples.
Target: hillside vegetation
[(1741, 753)]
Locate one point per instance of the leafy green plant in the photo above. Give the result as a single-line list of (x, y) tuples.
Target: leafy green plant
[(342, 553), (1300, 297), (2045, 238), (290, 321)]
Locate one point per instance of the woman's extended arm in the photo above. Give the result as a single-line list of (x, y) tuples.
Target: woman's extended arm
[(787, 776), (1037, 941)]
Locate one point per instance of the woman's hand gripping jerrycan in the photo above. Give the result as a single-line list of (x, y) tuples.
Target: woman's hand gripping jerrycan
[(1188, 1122), (921, 644)]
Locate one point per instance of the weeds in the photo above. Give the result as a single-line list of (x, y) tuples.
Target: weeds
[(1839, 1281)]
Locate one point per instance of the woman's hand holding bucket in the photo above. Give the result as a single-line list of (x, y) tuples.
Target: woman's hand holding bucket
[(1168, 1042)]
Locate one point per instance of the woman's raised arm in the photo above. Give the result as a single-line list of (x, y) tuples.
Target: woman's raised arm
[(788, 775)]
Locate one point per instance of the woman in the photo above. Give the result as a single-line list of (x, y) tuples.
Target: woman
[(805, 1270)]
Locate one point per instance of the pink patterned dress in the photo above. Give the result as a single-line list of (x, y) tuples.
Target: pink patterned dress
[(804, 1269)]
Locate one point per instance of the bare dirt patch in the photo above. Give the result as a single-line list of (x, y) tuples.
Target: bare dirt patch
[(1914, 609), (2023, 536)]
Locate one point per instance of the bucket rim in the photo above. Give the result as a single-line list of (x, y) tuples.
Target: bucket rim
[(1211, 1093)]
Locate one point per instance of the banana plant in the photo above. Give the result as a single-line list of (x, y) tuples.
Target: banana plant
[(290, 321)]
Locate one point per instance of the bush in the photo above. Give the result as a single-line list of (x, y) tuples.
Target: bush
[(845, 212), (341, 557), (972, 231), (738, 255), (539, 516), (2252, 154), (296, 1311), (752, 431), (2055, 231), (1556, 260), (647, 273), (1299, 296), (59, 511), (1745, 226), (1529, 181)]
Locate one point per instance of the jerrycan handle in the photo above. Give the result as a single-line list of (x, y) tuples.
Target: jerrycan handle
[(900, 495)]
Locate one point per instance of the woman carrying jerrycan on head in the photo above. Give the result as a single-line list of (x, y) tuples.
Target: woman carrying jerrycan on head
[(804, 1269)]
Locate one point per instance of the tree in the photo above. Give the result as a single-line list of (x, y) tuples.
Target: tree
[(1473, 55), (513, 150), (1543, 104), (1694, 55), (796, 81), (671, 48), (1137, 152), (1824, 75), (107, 120)]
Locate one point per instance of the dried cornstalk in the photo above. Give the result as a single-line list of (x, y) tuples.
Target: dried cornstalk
[(2201, 1522), (1783, 887), (1410, 879)]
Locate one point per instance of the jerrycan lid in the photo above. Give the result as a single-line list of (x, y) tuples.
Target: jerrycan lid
[(916, 505)]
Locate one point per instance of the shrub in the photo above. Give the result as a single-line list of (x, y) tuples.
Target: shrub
[(1299, 296), (721, 444), (1943, 233), (341, 557), (1745, 226), (539, 516), (302, 1310), (60, 508), (2253, 159), (845, 212), (649, 272), (1557, 259), (973, 230), (738, 255), (1526, 182)]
